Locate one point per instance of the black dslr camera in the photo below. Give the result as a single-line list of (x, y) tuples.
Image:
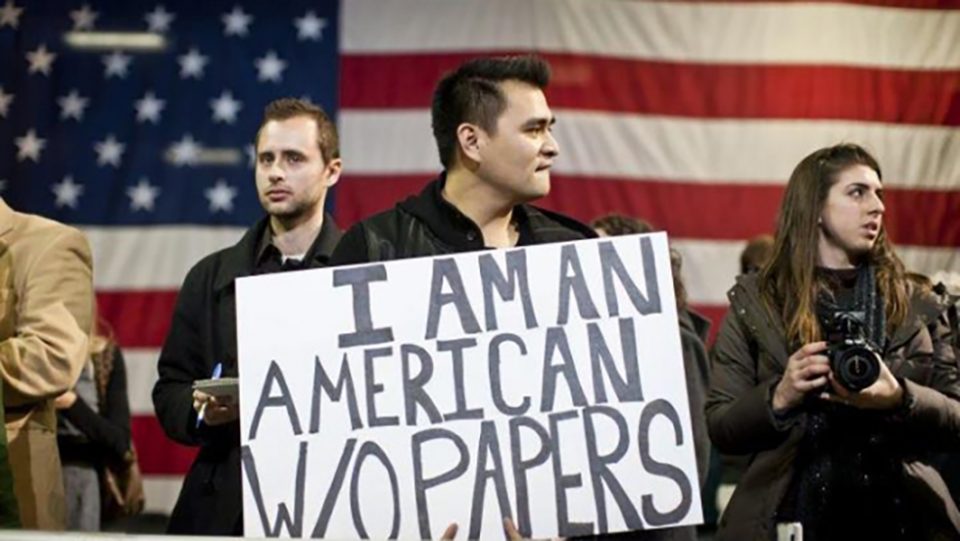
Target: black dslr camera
[(855, 362)]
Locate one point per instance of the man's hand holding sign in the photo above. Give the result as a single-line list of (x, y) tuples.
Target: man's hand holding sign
[(544, 385)]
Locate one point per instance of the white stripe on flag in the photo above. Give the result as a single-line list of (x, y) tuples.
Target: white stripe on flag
[(738, 33), (669, 148), (141, 365), (161, 492), (153, 258)]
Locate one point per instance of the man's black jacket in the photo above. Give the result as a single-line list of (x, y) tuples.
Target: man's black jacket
[(426, 224), (203, 333)]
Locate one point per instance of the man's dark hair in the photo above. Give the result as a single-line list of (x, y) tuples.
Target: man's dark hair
[(472, 93), (287, 108)]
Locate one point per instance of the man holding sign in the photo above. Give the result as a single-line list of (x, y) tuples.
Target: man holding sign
[(540, 383), (493, 129), (298, 159), (494, 133)]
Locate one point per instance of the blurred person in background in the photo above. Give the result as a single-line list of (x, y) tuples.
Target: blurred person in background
[(729, 468), (693, 335), (828, 457), (948, 283), (756, 254), (93, 435)]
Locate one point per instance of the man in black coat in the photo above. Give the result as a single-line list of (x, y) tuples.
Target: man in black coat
[(298, 159), (493, 129)]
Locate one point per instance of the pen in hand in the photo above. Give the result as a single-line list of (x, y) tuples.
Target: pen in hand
[(217, 371)]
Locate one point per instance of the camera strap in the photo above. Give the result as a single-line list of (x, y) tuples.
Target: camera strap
[(864, 299)]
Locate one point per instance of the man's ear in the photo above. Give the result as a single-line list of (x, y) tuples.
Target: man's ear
[(333, 170), (469, 138)]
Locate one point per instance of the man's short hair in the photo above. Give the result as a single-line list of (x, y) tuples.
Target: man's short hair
[(287, 108), (472, 93)]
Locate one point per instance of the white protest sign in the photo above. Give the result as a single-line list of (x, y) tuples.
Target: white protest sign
[(544, 384)]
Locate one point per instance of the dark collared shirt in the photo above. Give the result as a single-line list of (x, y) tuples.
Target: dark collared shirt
[(456, 229), (268, 259)]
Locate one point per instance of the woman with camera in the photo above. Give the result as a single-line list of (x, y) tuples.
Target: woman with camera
[(833, 371)]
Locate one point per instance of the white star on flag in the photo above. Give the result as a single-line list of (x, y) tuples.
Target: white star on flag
[(192, 64), (116, 63), (109, 151), (225, 108), (270, 67), (159, 19), (149, 107), (143, 195), (310, 27), (67, 192), (10, 15), (40, 60), (221, 196), (72, 105), (236, 22), (5, 101), (29, 146), (184, 152), (83, 18)]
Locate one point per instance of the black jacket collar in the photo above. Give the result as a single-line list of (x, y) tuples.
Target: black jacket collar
[(240, 259), (455, 229)]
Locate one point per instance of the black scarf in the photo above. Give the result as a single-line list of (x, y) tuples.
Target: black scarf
[(866, 301)]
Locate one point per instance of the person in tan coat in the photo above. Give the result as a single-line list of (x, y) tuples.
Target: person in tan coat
[(46, 311)]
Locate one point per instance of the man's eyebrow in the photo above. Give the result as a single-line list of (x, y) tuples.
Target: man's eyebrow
[(540, 121), (282, 151)]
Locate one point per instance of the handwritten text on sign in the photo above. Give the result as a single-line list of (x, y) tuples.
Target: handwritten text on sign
[(543, 384)]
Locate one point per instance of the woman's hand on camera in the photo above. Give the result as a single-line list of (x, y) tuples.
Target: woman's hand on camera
[(807, 370), (885, 393)]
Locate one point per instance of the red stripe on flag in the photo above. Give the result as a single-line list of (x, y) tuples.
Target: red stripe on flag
[(682, 89), (685, 209), (360, 196), (140, 318), (158, 454)]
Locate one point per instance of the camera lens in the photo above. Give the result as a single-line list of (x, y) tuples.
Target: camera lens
[(857, 368)]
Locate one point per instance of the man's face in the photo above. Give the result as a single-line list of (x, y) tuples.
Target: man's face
[(292, 178), (517, 158), (852, 215)]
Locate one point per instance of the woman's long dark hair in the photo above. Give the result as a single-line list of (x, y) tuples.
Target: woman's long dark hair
[(788, 281)]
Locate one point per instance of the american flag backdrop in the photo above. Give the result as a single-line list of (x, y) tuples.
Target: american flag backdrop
[(689, 114)]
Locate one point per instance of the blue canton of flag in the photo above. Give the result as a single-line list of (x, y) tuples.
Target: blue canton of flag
[(111, 136)]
